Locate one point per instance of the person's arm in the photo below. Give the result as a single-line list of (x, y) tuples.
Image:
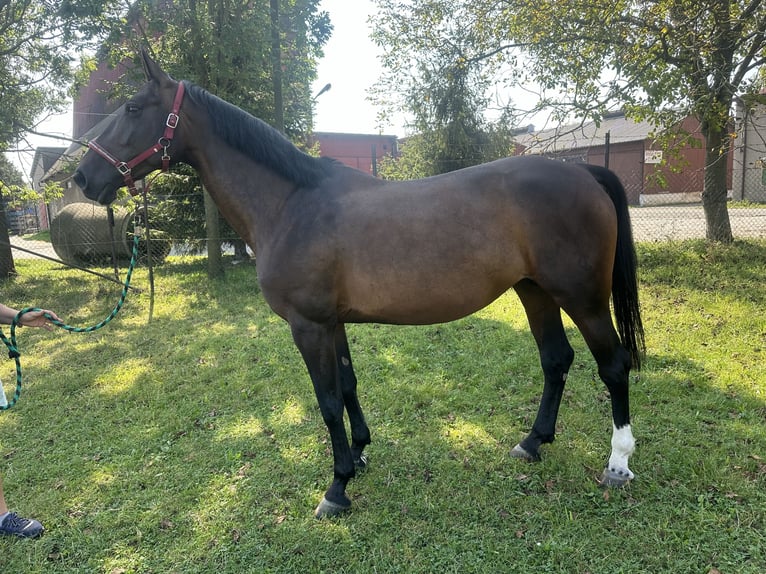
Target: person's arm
[(31, 319)]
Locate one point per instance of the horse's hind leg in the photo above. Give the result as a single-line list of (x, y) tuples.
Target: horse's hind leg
[(556, 356), (360, 432), (614, 364)]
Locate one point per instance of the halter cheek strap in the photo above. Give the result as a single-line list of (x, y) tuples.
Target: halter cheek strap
[(126, 167)]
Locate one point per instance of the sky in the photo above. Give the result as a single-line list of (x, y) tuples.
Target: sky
[(350, 64)]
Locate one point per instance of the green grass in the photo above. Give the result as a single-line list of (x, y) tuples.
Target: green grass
[(192, 443), (44, 235)]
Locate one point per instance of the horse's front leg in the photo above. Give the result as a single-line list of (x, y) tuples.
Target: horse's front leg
[(316, 343)]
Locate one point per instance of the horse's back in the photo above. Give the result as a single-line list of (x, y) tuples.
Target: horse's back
[(439, 248)]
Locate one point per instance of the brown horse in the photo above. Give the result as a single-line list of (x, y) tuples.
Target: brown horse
[(334, 245)]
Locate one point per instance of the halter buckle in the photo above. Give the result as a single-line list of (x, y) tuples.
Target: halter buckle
[(172, 120), (123, 168)]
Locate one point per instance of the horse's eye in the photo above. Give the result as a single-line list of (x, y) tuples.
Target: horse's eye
[(132, 108)]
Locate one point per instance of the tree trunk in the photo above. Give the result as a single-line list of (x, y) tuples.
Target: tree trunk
[(714, 192), (7, 267), (276, 67)]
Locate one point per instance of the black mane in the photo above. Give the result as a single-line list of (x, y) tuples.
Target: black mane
[(258, 140)]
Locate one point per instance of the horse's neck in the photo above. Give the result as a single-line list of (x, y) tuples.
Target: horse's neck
[(248, 195)]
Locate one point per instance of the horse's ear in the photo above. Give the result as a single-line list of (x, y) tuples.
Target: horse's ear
[(152, 70)]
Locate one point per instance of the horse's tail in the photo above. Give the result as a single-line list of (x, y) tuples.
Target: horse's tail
[(627, 310)]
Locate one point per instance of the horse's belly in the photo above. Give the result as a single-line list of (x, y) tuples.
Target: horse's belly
[(410, 304)]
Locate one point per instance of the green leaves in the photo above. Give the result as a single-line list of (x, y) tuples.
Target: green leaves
[(15, 193), (38, 43), (225, 47), (439, 73)]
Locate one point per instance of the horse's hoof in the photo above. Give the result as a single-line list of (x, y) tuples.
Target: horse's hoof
[(361, 462), (519, 452), (614, 478), (328, 508)]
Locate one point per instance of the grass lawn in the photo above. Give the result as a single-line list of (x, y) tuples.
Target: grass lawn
[(192, 443), (44, 235)]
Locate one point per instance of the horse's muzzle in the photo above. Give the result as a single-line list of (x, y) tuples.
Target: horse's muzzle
[(104, 195)]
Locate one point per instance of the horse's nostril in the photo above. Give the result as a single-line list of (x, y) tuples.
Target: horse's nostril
[(79, 179)]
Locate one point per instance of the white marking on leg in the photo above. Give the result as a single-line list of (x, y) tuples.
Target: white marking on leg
[(623, 446)]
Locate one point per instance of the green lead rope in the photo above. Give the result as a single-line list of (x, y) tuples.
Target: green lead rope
[(13, 351)]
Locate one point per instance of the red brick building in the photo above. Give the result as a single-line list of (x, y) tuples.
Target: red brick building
[(360, 151), (649, 176)]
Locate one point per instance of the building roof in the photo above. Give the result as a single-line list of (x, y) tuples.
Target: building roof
[(46, 157), (586, 135), (61, 169)]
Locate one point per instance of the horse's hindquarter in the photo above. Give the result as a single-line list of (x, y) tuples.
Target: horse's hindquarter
[(438, 249)]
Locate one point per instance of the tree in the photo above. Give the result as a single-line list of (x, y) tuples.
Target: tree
[(432, 75), (10, 179), (225, 46), (37, 40), (38, 45), (15, 193), (260, 56), (30, 65), (660, 59), (426, 153)]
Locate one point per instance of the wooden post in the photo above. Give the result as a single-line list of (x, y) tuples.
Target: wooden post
[(214, 262)]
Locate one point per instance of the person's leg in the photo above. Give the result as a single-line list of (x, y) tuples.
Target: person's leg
[(11, 524), (3, 506)]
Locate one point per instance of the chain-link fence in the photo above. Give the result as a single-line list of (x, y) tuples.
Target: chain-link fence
[(680, 222)]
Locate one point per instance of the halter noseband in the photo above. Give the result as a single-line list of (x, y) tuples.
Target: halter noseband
[(126, 167)]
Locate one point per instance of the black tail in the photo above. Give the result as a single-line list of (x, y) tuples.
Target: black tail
[(627, 310)]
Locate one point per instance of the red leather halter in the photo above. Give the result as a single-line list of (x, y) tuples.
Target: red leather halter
[(126, 167)]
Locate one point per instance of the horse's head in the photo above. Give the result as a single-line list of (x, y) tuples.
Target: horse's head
[(140, 138)]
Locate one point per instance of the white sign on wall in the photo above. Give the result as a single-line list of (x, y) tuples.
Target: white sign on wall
[(652, 156)]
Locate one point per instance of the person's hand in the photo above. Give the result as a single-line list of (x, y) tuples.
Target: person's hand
[(38, 319)]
